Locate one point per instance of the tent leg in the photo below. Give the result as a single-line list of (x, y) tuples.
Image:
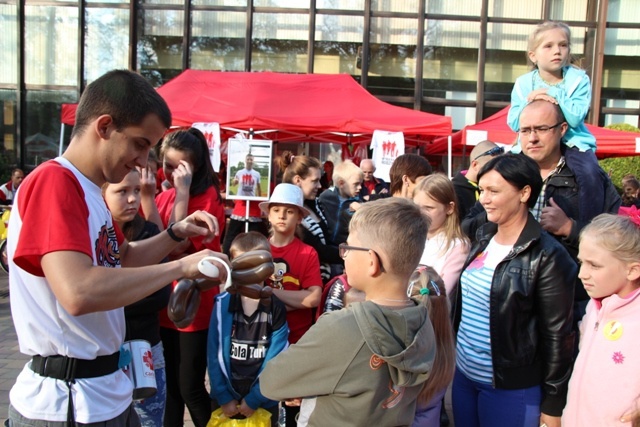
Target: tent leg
[(449, 160), (61, 140)]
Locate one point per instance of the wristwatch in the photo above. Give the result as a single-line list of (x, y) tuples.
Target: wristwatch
[(173, 235)]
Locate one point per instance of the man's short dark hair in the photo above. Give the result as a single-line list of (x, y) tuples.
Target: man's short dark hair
[(124, 95)]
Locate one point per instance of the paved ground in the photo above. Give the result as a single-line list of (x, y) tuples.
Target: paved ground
[(12, 361)]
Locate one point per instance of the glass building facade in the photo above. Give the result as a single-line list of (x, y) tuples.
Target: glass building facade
[(453, 57)]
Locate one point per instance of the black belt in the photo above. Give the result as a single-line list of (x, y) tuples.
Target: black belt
[(68, 368)]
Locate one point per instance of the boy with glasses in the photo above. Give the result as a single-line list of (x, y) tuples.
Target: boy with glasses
[(381, 349)]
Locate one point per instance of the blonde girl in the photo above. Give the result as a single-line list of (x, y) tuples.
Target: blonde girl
[(427, 286), (554, 79), (447, 247), (604, 386)]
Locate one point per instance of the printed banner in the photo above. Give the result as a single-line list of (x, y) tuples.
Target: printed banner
[(211, 132), (386, 147)]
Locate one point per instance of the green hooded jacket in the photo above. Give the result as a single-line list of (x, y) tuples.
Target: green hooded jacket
[(360, 366)]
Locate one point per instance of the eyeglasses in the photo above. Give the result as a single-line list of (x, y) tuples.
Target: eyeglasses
[(493, 152), (538, 130), (343, 250)]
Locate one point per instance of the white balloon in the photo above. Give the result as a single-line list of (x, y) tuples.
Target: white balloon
[(208, 269)]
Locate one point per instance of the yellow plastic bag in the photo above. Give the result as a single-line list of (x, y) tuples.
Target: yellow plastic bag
[(260, 418)]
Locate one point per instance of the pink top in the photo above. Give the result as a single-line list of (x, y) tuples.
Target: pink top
[(605, 383)]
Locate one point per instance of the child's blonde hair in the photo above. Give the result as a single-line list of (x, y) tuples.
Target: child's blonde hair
[(440, 188), (346, 170), (617, 234), (426, 285), (396, 227), (535, 39)]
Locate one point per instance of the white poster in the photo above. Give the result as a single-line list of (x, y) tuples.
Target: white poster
[(211, 132), (386, 147), (249, 169)]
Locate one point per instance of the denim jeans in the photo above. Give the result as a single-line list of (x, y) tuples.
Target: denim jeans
[(151, 410), (481, 405)]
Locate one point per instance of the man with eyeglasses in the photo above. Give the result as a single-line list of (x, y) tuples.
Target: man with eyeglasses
[(465, 183), (561, 208)]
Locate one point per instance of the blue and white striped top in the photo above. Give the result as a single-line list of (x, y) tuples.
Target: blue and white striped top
[(473, 351)]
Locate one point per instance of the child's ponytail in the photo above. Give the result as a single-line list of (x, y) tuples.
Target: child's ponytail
[(427, 286)]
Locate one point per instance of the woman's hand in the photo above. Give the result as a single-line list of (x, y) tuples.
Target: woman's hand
[(549, 421), (182, 176), (147, 183)]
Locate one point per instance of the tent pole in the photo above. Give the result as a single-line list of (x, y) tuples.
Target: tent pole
[(248, 202), (449, 149), (61, 140)]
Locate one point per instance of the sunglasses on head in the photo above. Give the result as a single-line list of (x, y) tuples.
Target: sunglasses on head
[(493, 152)]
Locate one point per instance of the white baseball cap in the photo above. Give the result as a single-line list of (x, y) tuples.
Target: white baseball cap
[(286, 194)]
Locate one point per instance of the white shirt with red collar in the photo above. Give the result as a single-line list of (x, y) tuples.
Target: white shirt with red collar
[(59, 209), (7, 192)]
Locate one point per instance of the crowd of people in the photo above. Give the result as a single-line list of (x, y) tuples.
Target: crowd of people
[(514, 283)]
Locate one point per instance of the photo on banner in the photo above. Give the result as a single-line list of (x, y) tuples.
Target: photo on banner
[(249, 169)]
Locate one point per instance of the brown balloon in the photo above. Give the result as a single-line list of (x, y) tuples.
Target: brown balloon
[(249, 271), (183, 303)]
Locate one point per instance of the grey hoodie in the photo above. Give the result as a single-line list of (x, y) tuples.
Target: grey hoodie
[(360, 366)]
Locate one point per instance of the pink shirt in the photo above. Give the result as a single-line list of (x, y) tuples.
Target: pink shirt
[(605, 383)]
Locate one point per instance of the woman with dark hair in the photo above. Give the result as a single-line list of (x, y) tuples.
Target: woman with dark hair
[(304, 171), (514, 308), (194, 186), (405, 173)]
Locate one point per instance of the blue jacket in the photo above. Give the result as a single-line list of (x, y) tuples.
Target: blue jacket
[(219, 349), (336, 211), (574, 99)]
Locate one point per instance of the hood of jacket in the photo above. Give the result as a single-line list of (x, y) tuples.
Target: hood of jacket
[(404, 339)]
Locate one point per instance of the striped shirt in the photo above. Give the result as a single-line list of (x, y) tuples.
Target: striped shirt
[(473, 352)]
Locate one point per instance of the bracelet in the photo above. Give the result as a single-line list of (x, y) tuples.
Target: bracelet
[(172, 234)]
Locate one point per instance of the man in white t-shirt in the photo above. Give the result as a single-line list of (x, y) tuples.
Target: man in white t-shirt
[(248, 179), (8, 190), (65, 254)]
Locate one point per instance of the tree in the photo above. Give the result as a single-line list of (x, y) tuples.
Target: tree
[(620, 166)]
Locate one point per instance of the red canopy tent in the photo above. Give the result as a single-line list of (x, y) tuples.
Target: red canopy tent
[(288, 107), (611, 143)]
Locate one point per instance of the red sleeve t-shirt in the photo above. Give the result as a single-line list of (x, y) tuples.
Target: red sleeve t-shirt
[(209, 202), (300, 269), (55, 220)]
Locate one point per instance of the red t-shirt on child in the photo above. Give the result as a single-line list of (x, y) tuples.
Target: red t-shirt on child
[(299, 265)]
